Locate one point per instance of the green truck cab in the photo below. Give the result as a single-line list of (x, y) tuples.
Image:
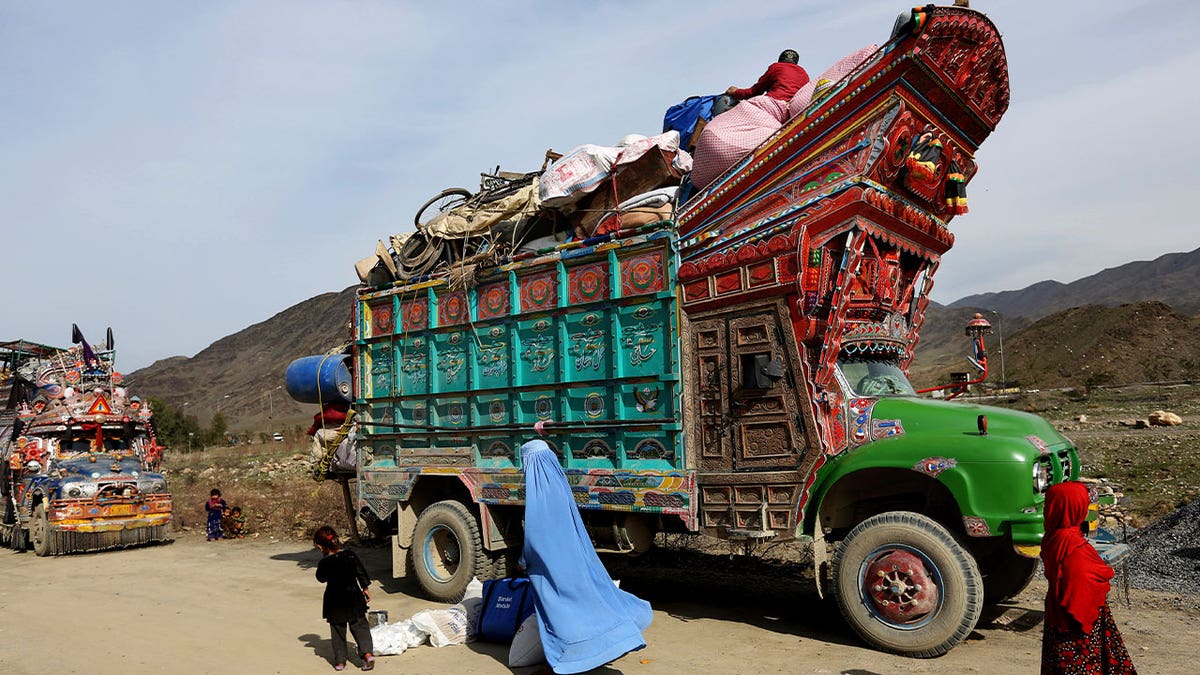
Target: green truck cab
[(736, 371)]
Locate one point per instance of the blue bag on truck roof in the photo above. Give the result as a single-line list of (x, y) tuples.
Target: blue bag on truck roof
[(682, 117)]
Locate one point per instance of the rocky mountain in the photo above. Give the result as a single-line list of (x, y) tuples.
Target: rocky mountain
[(241, 375), (1173, 279)]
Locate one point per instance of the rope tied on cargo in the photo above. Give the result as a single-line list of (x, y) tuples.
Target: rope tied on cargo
[(329, 445)]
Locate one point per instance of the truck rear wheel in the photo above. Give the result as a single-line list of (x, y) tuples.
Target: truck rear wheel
[(906, 586), (446, 551), (42, 538)]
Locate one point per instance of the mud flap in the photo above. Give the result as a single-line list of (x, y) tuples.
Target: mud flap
[(820, 557)]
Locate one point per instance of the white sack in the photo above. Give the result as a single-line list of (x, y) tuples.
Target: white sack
[(526, 649)]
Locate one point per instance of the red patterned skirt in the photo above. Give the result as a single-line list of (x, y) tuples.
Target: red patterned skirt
[(1073, 652)]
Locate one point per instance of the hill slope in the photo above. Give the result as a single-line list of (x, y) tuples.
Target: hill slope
[(1095, 345), (1173, 279), (242, 374)]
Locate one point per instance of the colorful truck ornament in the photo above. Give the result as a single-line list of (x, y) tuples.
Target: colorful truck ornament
[(739, 371), (80, 458)]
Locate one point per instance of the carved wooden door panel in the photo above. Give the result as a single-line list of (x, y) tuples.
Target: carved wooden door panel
[(745, 389), (712, 394), (765, 428)]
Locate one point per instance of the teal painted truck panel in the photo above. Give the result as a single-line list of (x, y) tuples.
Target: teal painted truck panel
[(584, 342)]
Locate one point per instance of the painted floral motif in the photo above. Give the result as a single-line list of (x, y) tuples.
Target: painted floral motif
[(934, 466), (588, 283), (493, 301), (642, 274), (539, 291), (976, 526)]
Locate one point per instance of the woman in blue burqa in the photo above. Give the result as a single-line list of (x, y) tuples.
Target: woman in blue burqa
[(584, 619)]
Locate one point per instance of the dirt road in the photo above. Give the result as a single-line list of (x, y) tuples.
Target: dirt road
[(253, 606)]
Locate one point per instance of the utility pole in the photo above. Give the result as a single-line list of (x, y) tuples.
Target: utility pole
[(1000, 335)]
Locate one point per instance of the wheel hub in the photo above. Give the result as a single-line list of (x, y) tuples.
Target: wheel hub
[(899, 587)]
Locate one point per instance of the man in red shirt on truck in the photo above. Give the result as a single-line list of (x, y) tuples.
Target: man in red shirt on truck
[(780, 82)]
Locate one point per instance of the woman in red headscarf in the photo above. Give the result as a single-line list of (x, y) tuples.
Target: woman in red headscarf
[(1080, 635)]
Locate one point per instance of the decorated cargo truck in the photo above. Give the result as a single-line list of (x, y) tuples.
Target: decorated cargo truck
[(79, 454), (738, 370)]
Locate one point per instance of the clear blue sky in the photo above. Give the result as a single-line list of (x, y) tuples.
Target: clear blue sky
[(182, 170)]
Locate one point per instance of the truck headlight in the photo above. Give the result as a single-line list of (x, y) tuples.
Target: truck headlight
[(78, 489), (1043, 476), (153, 486)]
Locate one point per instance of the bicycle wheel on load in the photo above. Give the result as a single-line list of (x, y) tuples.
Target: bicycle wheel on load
[(906, 586), (444, 201)]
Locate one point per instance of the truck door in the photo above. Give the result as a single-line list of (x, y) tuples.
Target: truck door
[(746, 388)]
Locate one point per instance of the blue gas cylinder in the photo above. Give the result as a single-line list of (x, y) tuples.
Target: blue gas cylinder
[(320, 379)]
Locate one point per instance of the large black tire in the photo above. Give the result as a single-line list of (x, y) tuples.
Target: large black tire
[(896, 558), (446, 550), (501, 564), (444, 201), (419, 256), (18, 538), (43, 539)]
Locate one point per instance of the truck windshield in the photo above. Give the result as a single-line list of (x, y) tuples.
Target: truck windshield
[(875, 377)]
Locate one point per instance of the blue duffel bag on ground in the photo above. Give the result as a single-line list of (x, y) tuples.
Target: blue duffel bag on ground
[(506, 604)]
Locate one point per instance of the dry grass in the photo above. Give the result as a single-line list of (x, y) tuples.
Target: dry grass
[(273, 488)]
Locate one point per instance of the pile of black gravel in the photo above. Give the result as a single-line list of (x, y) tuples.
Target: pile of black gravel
[(1166, 555)]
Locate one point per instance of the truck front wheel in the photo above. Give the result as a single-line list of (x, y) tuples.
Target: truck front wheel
[(906, 586), (446, 551), (43, 539)]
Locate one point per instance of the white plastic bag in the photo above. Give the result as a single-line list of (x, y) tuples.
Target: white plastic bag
[(575, 174), (526, 649), (445, 627), (345, 458), (390, 639), (471, 602)]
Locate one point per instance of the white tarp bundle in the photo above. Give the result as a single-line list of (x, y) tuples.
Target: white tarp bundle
[(581, 170)]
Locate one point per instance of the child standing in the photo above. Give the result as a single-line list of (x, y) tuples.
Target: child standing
[(346, 597), (215, 506), (1079, 634)]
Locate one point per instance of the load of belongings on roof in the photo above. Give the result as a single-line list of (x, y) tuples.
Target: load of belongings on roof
[(724, 139), (590, 191), (594, 190)]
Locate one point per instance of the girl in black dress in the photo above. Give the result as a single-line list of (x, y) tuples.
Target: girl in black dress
[(346, 596)]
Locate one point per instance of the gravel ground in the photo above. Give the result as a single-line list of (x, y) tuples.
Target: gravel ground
[(1166, 555)]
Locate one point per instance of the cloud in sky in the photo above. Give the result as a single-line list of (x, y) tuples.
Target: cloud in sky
[(182, 170)]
